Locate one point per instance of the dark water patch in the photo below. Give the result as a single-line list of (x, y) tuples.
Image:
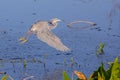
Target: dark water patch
[(34, 14), (3, 32), (109, 28), (58, 54), (58, 63), (7, 19), (22, 22), (10, 29), (116, 35), (96, 28), (67, 53)]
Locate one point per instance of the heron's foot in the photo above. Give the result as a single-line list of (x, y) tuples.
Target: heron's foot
[(22, 40)]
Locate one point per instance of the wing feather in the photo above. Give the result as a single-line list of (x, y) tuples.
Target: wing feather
[(52, 40)]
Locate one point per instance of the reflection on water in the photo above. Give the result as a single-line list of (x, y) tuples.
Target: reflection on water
[(115, 11)]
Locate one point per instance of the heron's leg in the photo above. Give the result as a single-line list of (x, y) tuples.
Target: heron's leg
[(27, 34), (24, 39)]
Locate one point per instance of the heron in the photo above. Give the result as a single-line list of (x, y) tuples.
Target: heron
[(42, 29)]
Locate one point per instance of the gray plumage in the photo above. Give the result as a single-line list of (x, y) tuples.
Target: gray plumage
[(43, 31)]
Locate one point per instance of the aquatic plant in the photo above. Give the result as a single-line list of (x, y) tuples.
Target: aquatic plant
[(72, 62), (24, 63), (112, 73), (80, 75), (65, 76), (6, 77), (65, 62), (100, 49), (44, 61)]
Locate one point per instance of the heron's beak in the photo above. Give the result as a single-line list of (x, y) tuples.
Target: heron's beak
[(59, 20)]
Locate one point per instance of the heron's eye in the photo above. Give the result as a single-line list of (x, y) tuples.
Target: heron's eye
[(50, 22)]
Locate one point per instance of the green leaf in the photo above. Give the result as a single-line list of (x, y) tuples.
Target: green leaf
[(108, 73), (93, 76), (25, 63), (115, 71), (100, 77), (101, 72), (65, 76), (112, 73), (77, 79)]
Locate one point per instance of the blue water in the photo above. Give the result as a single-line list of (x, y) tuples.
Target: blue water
[(16, 17)]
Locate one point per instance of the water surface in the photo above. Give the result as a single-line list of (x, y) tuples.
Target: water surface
[(16, 17)]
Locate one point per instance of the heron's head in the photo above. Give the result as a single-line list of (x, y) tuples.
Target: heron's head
[(55, 20)]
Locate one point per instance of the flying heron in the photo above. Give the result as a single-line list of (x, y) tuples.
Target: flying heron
[(42, 29)]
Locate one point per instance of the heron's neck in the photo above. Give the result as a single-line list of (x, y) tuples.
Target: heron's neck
[(53, 25)]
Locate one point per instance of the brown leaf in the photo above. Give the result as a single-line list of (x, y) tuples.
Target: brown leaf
[(80, 75)]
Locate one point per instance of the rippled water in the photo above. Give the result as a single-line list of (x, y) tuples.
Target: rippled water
[(16, 17)]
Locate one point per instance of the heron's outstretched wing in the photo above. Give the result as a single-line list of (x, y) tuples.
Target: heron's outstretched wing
[(52, 40)]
